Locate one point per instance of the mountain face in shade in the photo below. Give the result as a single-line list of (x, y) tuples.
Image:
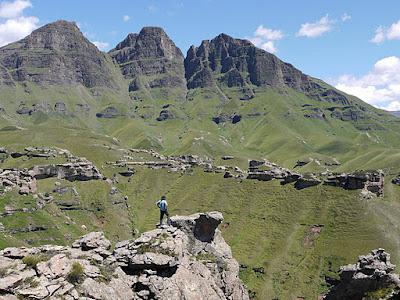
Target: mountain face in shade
[(56, 54), (237, 62), (150, 59)]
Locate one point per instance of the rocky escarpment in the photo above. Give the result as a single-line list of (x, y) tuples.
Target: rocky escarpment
[(24, 179), (367, 181), (56, 54), (149, 60), (187, 260), (238, 63), (371, 277)]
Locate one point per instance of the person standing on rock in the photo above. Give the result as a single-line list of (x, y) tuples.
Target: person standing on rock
[(163, 206)]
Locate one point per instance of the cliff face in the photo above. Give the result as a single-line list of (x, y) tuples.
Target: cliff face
[(56, 54), (150, 59), (236, 62), (187, 260)]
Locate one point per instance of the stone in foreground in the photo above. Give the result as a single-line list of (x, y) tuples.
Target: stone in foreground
[(371, 275)]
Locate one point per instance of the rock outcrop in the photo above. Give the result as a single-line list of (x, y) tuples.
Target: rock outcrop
[(373, 273), (150, 59), (372, 181), (80, 170), (109, 113), (266, 171), (396, 180), (20, 179), (56, 54), (367, 181), (187, 260)]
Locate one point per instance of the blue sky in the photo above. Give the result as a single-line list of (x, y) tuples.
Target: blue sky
[(331, 40)]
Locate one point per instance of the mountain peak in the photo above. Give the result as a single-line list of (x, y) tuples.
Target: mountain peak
[(150, 53), (61, 24), (234, 58), (57, 54), (150, 42), (59, 35), (154, 30)]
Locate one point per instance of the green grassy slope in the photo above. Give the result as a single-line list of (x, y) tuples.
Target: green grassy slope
[(266, 224)]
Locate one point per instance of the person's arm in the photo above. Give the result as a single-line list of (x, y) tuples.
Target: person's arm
[(158, 203)]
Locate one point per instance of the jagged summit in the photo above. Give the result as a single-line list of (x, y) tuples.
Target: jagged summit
[(150, 59), (156, 41), (59, 35), (237, 62), (57, 54)]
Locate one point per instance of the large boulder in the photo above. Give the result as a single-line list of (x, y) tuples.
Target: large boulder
[(202, 226), (74, 171), (91, 241)]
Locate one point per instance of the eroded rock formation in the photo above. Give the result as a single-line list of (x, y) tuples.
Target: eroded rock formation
[(373, 273), (187, 260)]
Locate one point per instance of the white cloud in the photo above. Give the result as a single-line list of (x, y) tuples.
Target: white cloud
[(379, 36), (14, 25), (394, 106), (379, 87), (126, 18), (313, 30), (265, 38), (391, 33), (268, 34), (14, 29), (13, 9), (101, 45), (346, 17), (269, 46)]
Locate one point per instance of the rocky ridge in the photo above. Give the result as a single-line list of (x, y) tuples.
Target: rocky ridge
[(75, 169), (238, 63), (370, 182), (187, 260), (58, 54)]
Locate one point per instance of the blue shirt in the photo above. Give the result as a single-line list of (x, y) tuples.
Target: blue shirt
[(163, 205)]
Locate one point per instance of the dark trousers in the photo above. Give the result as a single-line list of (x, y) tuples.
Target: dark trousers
[(162, 213)]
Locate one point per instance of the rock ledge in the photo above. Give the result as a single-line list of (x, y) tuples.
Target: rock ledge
[(187, 260)]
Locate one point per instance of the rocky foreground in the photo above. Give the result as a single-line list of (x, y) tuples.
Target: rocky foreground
[(187, 260)]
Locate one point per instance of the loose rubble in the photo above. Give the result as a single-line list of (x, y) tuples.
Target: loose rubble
[(187, 260)]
